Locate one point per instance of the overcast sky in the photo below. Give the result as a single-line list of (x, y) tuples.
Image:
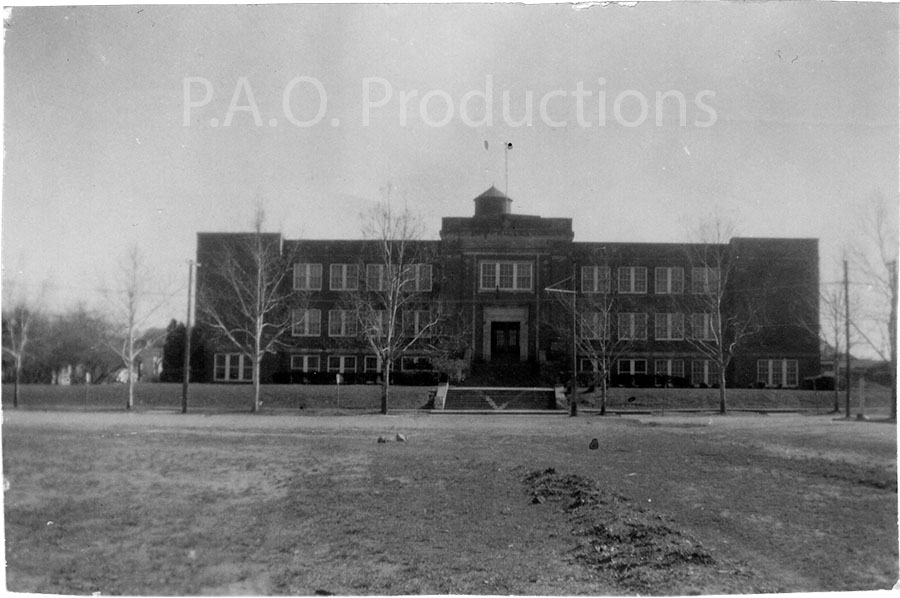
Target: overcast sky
[(135, 124)]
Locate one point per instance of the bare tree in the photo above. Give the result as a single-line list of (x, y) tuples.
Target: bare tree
[(134, 299), (247, 298), (875, 257), (392, 303), (449, 345), (832, 330), (721, 318), (597, 337), (20, 312)]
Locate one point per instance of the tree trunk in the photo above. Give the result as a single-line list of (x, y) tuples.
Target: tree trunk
[(255, 408), (385, 386), (603, 395), (722, 391), (16, 383), (837, 391), (130, 402)]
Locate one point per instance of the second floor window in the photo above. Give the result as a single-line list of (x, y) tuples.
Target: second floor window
[(703, 327), (344, 277), (506, 276), (341, 322), (633, 326), (594, 325), (415, 321), (668, 327), (307, 277), (632, 279), (306, 322), (375, 323)]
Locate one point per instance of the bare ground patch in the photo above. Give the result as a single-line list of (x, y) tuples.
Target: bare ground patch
[(158, 504)]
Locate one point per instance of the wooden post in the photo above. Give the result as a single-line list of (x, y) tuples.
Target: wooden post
[(187, 341), (862, 398), (847, 339)]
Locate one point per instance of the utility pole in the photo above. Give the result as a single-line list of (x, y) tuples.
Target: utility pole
[(573, 405), (892, 337), (847, 339), (187, 340), (573, 408)]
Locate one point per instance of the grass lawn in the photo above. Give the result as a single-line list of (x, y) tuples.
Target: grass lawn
[(159, 503)]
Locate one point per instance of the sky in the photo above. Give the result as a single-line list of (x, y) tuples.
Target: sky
[(145, 125)]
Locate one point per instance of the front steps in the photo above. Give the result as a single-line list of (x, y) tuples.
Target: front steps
[(499, 399)]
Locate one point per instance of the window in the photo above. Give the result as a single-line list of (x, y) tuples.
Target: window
[(372, 363), (415, 321), (595, 279), (306, 322), (375, 323), (704, 280), (305, 363), (777, 372), (587, 365), (632, 280), (668, 327), (341, 322), (632, 366), (506, 276), (632, 326), (669, 281), (307, 277), (417, 278), (344, 277), (594, 325), (702, 328), (670, 367), (341, 363), (704, 372), (375, 278), (232, 367), (415, 364)]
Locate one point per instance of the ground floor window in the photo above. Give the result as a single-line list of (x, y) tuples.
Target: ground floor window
[(342, 363), (777, 372), (704, 372), (372, 363), (633, 366), (415, 364), (305, 363), (232, 367), (670, 367)]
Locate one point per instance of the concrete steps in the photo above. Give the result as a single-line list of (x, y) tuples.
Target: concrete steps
[(499, 399)]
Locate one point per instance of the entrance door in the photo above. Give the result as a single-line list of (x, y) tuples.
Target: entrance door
[(504, 341)]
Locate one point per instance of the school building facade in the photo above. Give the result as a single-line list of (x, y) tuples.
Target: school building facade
[(495, 268)]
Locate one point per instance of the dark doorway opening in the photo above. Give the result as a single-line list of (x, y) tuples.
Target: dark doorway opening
[(505, 341)]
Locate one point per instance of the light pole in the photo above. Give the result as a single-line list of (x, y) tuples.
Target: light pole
[(187, 340), (573, 404)]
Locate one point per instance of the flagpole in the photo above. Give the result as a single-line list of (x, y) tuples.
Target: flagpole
[(509, 146)]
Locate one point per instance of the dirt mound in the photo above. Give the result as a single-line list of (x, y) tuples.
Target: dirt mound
[(638, 550)]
